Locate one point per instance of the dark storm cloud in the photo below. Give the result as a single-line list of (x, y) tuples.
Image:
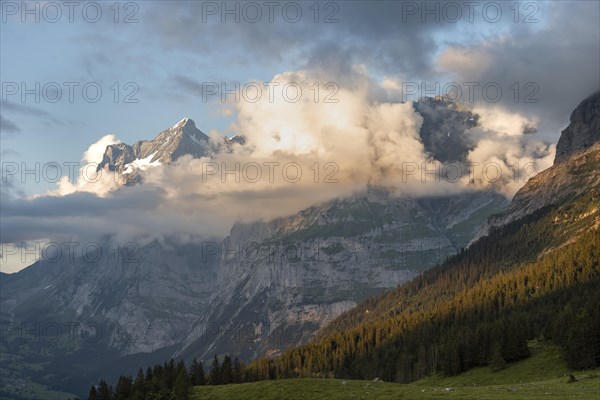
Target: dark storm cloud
[(81, 204), (380, 35), (81, 215), (364, 32), (444, 130), (560, 56), (131, 213)]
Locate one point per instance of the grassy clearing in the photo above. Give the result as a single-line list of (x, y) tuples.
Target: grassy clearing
[(542, 376)]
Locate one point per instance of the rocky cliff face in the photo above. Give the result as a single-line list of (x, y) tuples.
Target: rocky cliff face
[(281, 281), (152, 294), (85, 317), (583, 131)]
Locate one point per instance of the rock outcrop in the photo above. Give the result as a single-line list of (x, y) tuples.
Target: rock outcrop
[(583, 131)]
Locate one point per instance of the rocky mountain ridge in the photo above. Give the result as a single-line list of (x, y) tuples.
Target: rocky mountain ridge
[(183, 138), (575, 168)]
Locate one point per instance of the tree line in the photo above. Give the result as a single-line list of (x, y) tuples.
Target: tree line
[(170, 381)]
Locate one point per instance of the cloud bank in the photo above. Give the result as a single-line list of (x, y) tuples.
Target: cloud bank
[(297, 154)]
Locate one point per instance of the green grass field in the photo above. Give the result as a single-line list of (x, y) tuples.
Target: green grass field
[(542, 376)]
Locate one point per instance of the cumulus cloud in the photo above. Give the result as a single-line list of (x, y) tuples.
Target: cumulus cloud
[(95, 152), (505, 123), (297, 153), (505, 163), (367, 137), (89, 180)]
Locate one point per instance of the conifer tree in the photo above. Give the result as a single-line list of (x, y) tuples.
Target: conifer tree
[(226, 371), (104, 391), (497, 362), (197, 373), (215, 372), (93, 395), (238, 371), (181, 387)]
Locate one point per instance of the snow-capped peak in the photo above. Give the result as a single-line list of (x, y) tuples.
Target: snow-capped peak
[(183, 123)]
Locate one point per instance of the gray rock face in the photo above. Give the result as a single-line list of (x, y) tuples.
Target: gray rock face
[(443, 129), (583, 131), (151, 295), (280, 281)]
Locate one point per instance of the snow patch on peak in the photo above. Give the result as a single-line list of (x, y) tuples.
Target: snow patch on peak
[(141, 164)]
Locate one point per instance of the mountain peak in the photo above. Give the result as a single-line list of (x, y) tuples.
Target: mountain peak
[(185, 123), (183, 138)]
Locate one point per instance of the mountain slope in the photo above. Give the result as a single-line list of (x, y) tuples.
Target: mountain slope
[(129, 307), (161, 300), (296, 274), (448, 320)]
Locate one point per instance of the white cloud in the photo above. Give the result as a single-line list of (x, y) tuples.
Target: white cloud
[(353, 142), (89, 180), (505, 163), (95, 152), (498, 120)]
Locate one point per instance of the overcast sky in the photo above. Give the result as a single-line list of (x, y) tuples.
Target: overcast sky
[(152, 61)]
